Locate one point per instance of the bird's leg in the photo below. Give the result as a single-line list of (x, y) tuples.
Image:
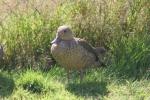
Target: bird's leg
[(68, 75), (81, 75)]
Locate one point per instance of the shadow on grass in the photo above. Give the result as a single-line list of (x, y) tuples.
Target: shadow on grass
[(88, 88), (6, 86)]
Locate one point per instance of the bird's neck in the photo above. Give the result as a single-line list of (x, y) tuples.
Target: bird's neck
[(68, 39), (68, 43)]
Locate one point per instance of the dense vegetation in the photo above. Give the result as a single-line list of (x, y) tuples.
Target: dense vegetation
[(121, 26)]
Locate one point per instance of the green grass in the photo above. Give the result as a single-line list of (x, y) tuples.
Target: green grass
[(6, 84), (53, 85)]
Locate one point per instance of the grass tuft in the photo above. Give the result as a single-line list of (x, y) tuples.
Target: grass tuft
[(31, 83)]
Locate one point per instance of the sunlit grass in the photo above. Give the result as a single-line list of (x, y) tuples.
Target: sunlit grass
[(96, 85)]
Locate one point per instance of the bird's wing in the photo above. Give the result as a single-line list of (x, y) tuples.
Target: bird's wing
[(88, 47), (100, 50)]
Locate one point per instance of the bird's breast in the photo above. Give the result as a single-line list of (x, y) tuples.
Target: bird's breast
[(71, 55)]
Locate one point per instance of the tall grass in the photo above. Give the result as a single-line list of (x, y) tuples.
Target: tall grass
[(26, 37), (123, 27)]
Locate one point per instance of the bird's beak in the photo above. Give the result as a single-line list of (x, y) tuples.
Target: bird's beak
[(56, 40)]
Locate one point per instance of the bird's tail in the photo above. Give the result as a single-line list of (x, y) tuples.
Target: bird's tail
[(100, 50), (101, 53)]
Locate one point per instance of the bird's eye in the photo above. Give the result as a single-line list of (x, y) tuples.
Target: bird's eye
[(65, 31)]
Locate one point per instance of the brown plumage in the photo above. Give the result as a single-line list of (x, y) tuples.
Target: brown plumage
[(73, 53)]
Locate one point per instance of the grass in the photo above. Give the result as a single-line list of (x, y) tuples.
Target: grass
[(97, 84), (121, 26), (6, 84)]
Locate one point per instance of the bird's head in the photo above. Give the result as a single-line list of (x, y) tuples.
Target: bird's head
[(63, 33)]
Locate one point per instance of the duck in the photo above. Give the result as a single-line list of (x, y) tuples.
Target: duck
[(74, 53)]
